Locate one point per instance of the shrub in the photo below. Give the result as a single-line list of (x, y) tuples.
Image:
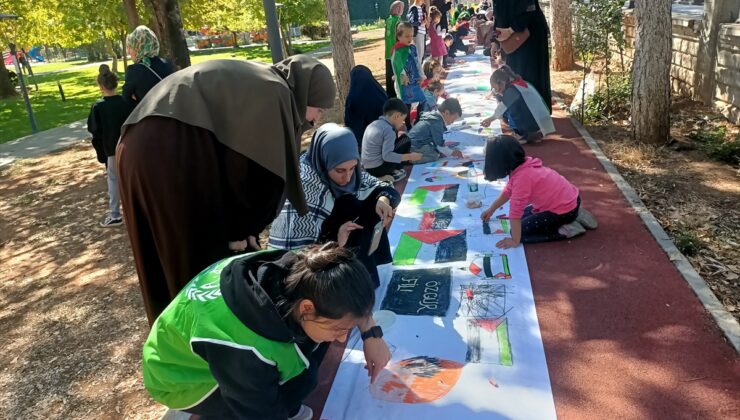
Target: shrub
[(611, 100), (717, 145), (687, 242), (316, 31)]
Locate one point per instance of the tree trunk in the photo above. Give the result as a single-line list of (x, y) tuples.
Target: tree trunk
[(651, 83), (561, 25), (125, 50), (341, 45), (171, 34), (114, 57), (716, 12), (132, 15), (7, 89)]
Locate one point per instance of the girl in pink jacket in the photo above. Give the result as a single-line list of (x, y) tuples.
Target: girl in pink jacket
[(543, 205)]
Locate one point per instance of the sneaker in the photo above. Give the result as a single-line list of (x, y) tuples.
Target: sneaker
[(586, 219), (387, 178), (305, 413), (111, 222), (571, 230), (398, 174), (532, 138)]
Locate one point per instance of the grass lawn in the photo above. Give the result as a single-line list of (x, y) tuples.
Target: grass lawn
[(39, 68), (81, 92)]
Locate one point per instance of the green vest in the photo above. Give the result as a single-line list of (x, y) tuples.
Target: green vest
[(178, 377)]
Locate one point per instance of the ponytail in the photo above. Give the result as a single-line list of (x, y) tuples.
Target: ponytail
[(332, 278), (106, 78)]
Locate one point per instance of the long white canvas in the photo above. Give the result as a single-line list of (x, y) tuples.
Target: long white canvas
[(481, 355)]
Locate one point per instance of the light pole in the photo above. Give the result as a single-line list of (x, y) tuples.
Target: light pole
[(22, 82), (273, 30)]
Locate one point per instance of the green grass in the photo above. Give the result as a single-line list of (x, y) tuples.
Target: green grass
[(81, 92)]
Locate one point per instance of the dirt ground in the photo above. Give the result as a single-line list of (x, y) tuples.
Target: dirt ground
[(70, 308)]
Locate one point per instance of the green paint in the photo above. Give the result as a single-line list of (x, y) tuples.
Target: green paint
[(407, 250), (505, 261), (419, 196), (504, 346), (505, 226)]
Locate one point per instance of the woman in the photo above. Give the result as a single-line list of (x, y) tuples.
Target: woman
[(148, 69), (246, 337), (206, 161), (345, 204), (532, 59), (394, 16), (364, 103)]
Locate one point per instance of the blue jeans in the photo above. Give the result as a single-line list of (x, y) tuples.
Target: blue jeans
[(114, 197)]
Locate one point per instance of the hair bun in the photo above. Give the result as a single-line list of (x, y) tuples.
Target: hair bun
[(318, 258), (103, 69)]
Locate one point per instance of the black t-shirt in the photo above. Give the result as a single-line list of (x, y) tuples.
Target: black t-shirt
[(140, 79), (104, 123)]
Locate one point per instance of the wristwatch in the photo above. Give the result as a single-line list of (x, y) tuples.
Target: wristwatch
[(373, 332)]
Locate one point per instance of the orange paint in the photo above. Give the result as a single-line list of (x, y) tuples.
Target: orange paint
[(416, 380)]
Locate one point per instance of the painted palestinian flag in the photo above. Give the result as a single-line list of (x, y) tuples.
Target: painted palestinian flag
[(433, 194), (431, 246), (488, 342), (496, 227), (436, 219), (491, 266), (420, 379)]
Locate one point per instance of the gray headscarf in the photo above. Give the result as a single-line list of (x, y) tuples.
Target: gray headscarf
[(332, 145)]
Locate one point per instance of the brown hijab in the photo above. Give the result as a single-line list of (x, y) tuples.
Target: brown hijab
[(254, 109)]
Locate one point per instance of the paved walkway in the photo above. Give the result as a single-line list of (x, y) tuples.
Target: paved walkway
[(624, 335)]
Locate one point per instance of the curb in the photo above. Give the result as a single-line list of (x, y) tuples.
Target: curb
[(726, 322)]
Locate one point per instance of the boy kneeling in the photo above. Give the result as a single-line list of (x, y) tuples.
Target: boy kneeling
[(427, 135)]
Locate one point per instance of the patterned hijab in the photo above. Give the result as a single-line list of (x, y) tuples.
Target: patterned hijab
[(144, 43), (333, 145)]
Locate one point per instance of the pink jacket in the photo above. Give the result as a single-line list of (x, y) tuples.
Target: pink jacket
[(543, 188)]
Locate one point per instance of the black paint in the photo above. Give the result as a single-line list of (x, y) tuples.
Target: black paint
[(450, 194), (486, 228), (422, 366), (424, 291), (452, 249)]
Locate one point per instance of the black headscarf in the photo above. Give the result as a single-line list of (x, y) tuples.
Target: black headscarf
[(503, 155), (364, 102)]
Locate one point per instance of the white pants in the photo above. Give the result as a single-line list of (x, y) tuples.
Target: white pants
[(420, 41)]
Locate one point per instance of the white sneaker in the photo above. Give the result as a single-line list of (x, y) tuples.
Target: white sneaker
[(571, 230), (111, 222), (398, 174), (305, 413), (586, 219)]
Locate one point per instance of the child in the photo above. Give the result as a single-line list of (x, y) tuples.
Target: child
[(245, 337), (462, 29), (436, 42), (418, 20), (104, 123), (498, 57), (521, 105), (448, 44), (406, 67), (432, 71), (433, 92), (427, 135), (543, 205), (396, 10), (383, 149)]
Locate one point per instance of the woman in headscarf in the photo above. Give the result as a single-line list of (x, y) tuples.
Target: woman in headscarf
[(148, 68), (364, 103), (345, 203), (206, 161), (532, 59)]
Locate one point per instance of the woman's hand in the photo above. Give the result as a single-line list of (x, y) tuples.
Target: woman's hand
[(486, 215), (504, 34), (238, 246), (253, 243), (384, 210), (377, 356), (507, 243), (344, 231), (487, 122)]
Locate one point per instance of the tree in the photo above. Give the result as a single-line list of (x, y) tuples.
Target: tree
[(168, 22), (651, 84), (341, 45), (561, 25), (132, 14), (299, 12)]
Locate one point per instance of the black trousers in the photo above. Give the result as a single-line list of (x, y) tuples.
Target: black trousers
[(390, 87), (402, 146), (292, 393), (543, 226), (348, 208)]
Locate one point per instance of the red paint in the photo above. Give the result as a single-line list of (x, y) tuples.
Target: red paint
[(492, 382), (433, 236), (469, 294), (436, 187)]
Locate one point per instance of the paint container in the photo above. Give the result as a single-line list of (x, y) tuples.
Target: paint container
[(385, 319), (473, 199)]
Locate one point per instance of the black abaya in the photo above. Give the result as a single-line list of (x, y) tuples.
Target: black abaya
[(532, 59)]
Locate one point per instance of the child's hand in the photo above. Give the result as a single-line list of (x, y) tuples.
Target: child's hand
[(253, 243), (377, 356), (507, 243), (486, 123), (414, 156), (486, 215), (344, 231), (238, 246), (404, 80), (457, 154)]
